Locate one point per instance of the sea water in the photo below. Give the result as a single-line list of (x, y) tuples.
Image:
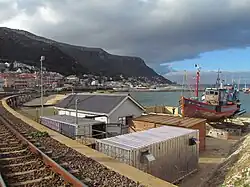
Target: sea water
[(172, 98)]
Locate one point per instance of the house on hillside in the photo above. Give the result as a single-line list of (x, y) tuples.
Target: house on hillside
[(116, 110)]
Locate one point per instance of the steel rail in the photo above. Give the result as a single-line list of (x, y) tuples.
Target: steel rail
[(47, 160)]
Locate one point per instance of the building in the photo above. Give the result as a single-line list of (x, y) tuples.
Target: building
[(113, 109), (169, 153), (152, 121), (79, 129), (19, 80), (29, 80), (50, 79), (72, 79)]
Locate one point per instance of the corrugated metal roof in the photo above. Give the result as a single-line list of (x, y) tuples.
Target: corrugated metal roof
[(145, 138), (71, 120), (170, 120), (97, 103), (92, 102)]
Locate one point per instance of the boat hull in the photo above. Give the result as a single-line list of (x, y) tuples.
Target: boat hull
[(196, 109)]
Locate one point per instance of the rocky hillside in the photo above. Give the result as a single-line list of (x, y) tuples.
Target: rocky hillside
[(235, 170), (69, 59)]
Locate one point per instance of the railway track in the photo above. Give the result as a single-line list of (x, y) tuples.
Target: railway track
[(23, 164), (85, 169)]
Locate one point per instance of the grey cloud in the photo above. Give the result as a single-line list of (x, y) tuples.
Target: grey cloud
[(7, 10), (156, 30)]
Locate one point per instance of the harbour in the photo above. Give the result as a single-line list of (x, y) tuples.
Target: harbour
[(172, 98), (162, 104)]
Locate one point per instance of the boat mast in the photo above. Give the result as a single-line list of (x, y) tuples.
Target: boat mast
[(218, 82), (239, 84), (197, 80)]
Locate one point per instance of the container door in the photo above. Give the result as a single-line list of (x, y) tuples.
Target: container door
[(68, 130)]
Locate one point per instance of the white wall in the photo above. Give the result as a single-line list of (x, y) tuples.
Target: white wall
[(82, 115), (128, 108)]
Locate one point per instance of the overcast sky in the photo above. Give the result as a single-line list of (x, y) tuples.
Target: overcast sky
[(156, 30)]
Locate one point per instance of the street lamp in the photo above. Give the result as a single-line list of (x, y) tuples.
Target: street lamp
[(41, 60), (76, 107), (76, 119)]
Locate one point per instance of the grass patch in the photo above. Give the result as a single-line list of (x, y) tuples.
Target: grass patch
[(35, 113)]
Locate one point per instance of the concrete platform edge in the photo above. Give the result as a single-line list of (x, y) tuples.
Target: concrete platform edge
[(121, 168)]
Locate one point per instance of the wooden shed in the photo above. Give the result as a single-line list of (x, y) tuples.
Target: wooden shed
[(152, 121)]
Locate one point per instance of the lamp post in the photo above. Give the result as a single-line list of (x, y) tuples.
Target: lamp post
[(76, 107), (41, 60), (76, 119)]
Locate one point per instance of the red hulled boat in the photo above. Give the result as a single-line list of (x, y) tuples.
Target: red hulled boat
[(217, 103)]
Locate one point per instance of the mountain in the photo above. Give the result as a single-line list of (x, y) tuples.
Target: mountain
[(69, 59)]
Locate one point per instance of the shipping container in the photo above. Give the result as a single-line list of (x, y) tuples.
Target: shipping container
[(69, 130), (66, 125), (169, 153), (54, 125), (151, 121)]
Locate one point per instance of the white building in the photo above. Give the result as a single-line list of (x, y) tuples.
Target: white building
[(108, 108)]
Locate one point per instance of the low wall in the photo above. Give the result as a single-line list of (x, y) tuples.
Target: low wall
[(121, 168)]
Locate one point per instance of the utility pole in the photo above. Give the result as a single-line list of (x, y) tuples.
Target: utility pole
[(76, 107), (41, 60), (76, 122)]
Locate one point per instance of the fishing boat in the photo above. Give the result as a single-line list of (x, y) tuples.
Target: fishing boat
[(246, 90), (217, 103)]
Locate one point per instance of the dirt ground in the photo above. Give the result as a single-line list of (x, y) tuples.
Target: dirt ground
[(216, 151)]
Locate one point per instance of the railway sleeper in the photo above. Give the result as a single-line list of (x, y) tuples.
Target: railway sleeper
[(64, 164), (19, 164), (7, 136), (31, 181), (37, 144), (73, 171), (13, 143), (4, 133), (49, 153), (16, 158), (30, 138), (23, 172), (24, 132), (11, 139), (13, 152), (18, 147), (56, 158), (30, 176)]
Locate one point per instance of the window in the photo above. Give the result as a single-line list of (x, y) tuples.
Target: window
[(122, 120)]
